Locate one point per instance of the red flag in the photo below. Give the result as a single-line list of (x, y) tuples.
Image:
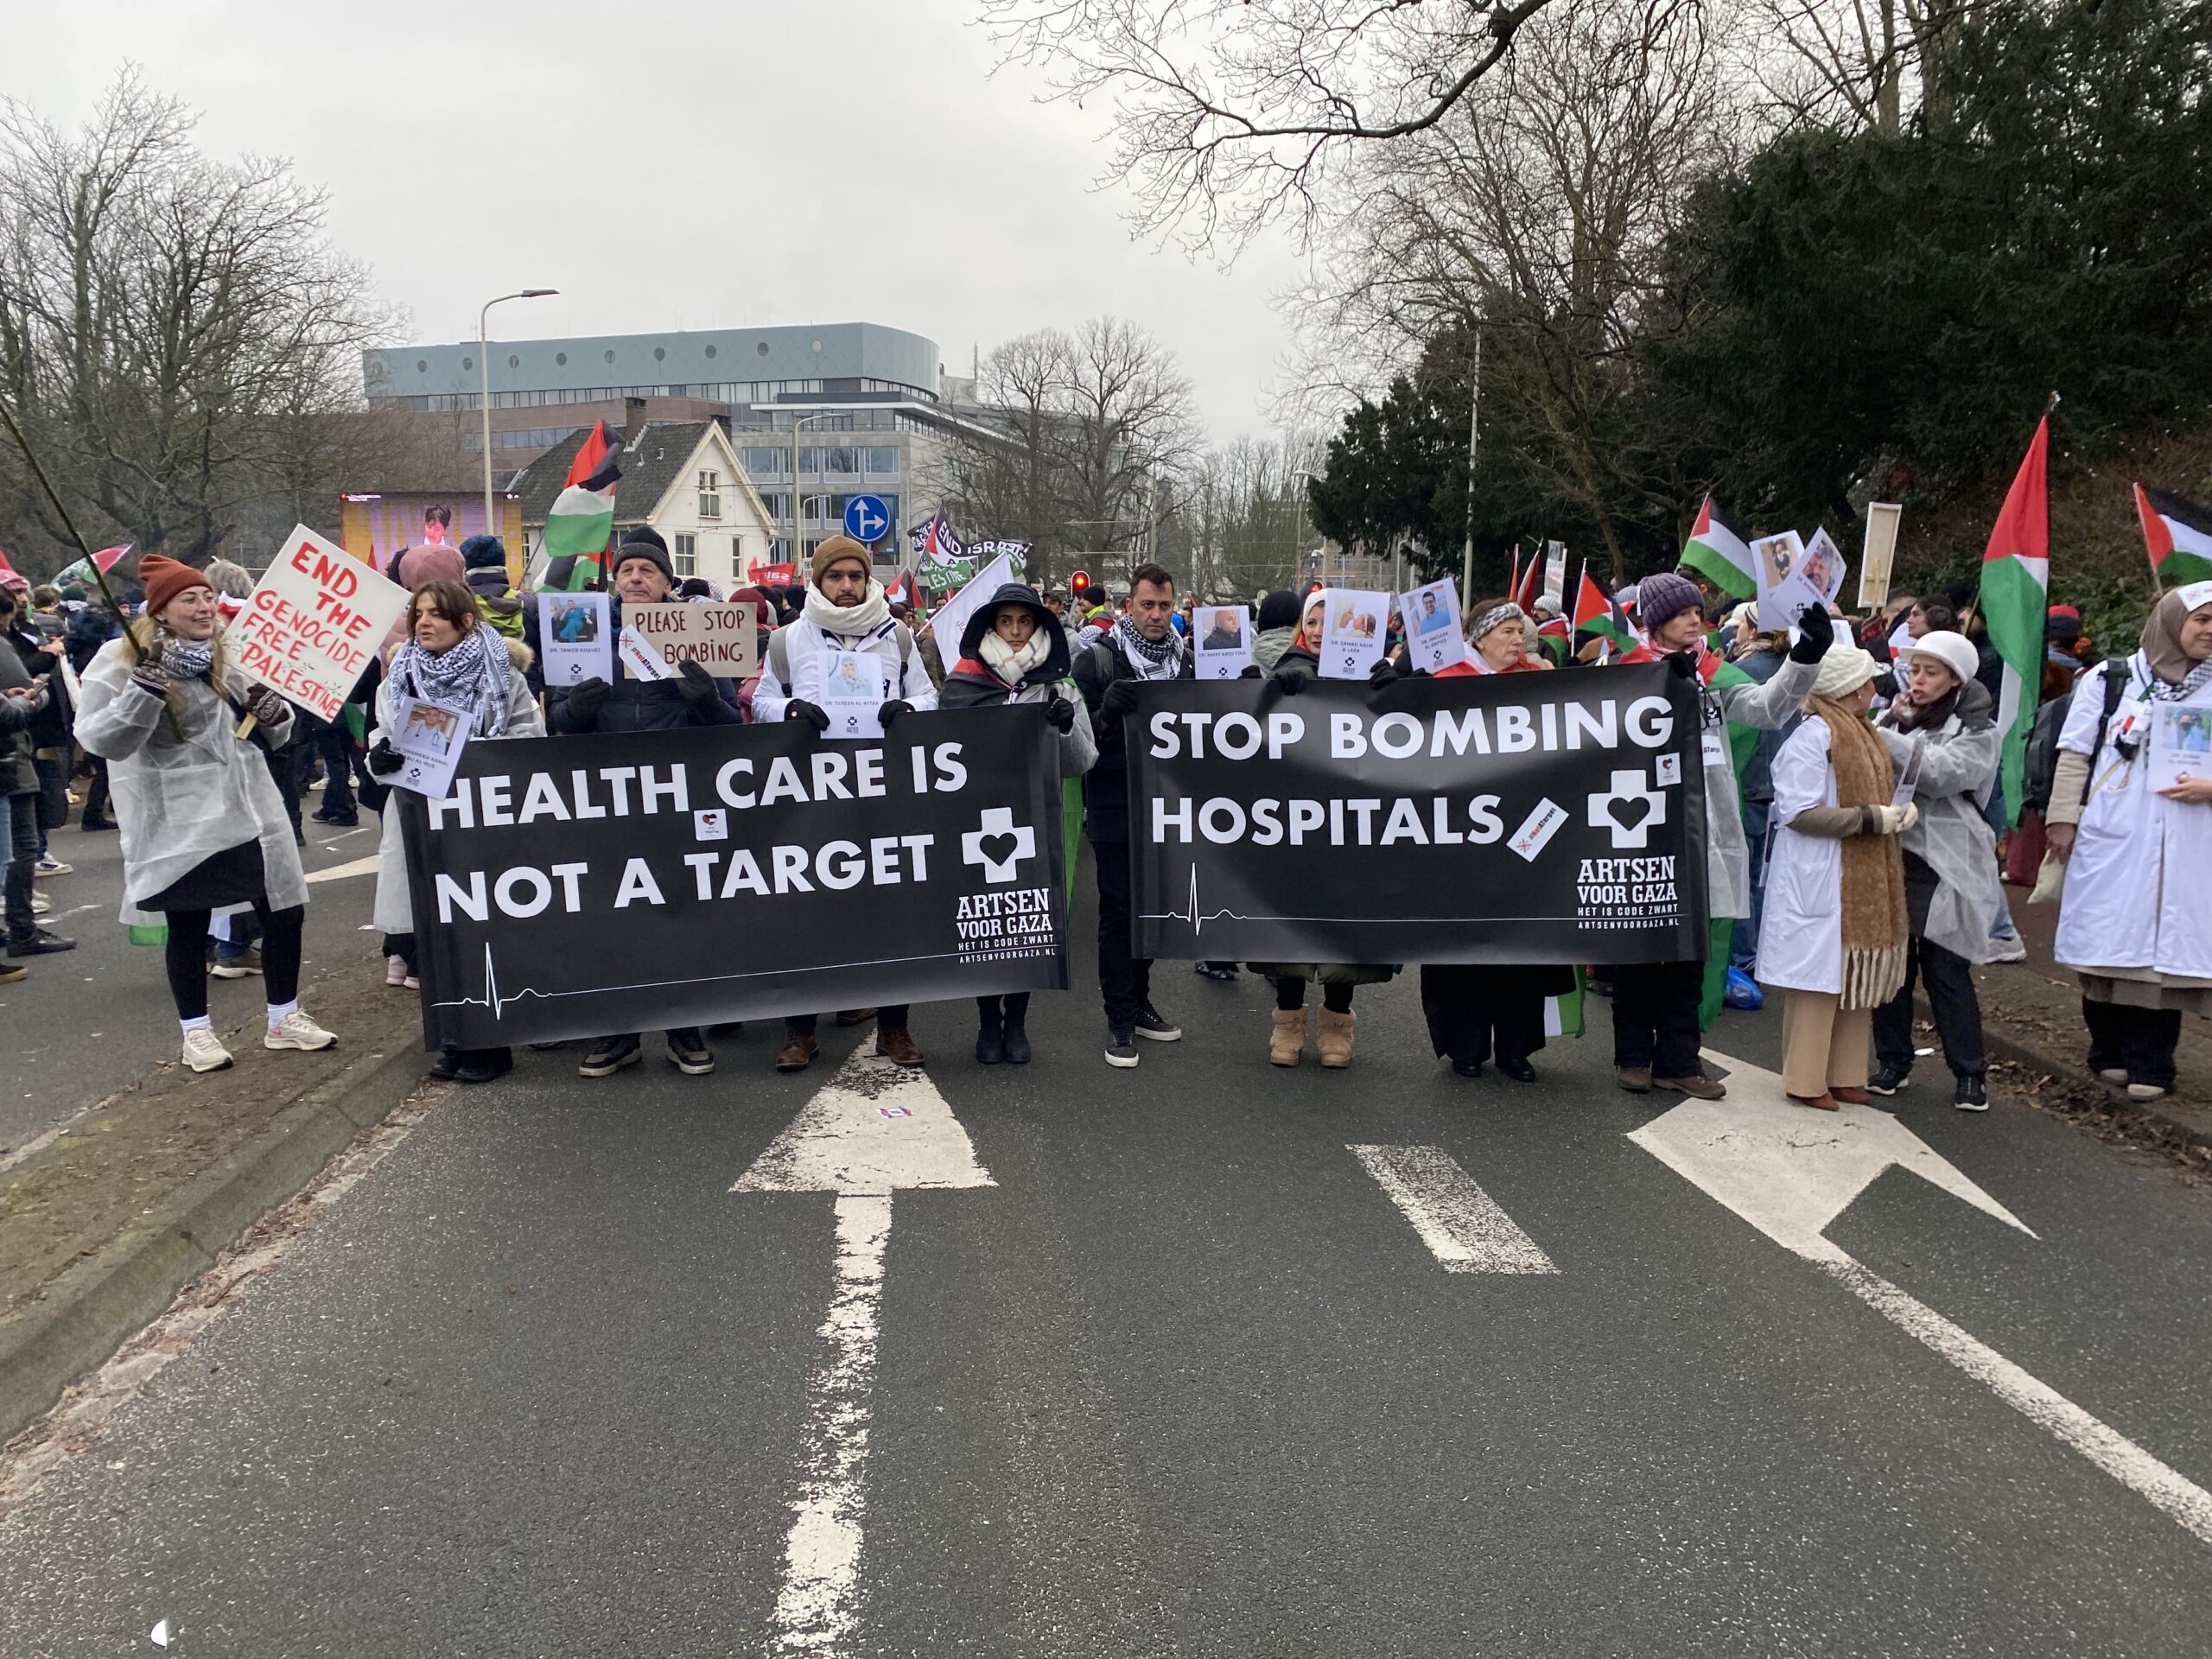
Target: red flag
[(1530, 585), (594, 467), (1513, 573)]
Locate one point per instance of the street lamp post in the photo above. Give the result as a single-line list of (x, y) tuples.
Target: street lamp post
[(1298, 522), (799, 502), (484, 384)]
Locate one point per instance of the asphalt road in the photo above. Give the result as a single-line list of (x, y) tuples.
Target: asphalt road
[(92, 1021), (1184, 1381)]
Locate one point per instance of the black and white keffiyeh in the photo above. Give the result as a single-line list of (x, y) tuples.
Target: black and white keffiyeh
[(1149, 660), (188, 659), (471, 674)]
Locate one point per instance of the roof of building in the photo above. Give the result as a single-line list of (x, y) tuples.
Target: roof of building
[(662, 449)]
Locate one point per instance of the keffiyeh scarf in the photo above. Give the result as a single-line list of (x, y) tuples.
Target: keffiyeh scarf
[(472, 675), (1149, 660)]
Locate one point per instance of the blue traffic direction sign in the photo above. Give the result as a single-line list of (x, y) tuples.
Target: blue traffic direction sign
[(866, 518)]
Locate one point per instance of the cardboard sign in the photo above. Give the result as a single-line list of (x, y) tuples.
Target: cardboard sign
[(724, 639), (1434, 639), (1355, 622), (430, 736), (1223, 644), (572, 639), (1877, 553), (314, 623)]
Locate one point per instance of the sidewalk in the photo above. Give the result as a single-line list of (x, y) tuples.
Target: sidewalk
[(103, 1218), (2031, 1014)]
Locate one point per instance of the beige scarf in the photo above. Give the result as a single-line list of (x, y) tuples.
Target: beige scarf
[(1875, 923)]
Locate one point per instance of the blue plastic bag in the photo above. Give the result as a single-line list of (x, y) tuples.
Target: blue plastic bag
[(1743, 991)]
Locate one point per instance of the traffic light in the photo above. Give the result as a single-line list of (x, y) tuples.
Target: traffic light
[(1079, 589)]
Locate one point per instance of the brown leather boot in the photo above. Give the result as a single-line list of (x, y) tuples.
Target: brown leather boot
[(1287, 1042), (798, 1051), (1696, 1084), (897, 1047), (1334, 1038)]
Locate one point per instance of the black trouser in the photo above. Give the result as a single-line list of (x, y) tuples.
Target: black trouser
[(402, 946), (1654, 1016), (1012, 1009), (802, 1024), (1949, 979), (1124, 980), (23, 863), (284, 768), (1336, 995), (335, 742), (96, 791), (2140, 1041), (185, 956), (53, 796)]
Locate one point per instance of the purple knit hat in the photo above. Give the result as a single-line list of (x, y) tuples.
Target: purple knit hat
[(1664, 596)]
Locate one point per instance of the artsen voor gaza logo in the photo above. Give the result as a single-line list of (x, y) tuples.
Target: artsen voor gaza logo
[(999, 844)]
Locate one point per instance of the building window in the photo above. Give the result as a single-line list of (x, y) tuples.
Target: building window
[(769, 462), (841, 459), (710, 494), (686, 556), (881, 460)]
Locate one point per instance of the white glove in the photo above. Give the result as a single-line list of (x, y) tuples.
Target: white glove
[(1896, 820)]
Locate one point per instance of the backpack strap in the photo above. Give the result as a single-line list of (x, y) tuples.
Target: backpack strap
[(2117, 676), (780, 658)]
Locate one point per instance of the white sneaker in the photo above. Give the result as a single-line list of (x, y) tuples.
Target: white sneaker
[(204, 1050), (295, 1030), (52, 865), (41, 907), (2144, 1091)]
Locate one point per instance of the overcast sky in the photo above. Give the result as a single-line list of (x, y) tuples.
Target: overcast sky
[(755, 162)]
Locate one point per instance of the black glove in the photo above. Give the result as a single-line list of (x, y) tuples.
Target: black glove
[(1059, 713), (1293, 679), (1415, 673), (812, 713), (1816, 634), (1251, 672), (695, 685), (891, 709), (266, 707), (1121, 699), (384, 759), (1682, 664), (1385, 672), (586, 699)]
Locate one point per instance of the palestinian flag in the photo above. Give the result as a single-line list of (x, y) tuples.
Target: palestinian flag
[(1597, 616), (581, 521), (1528, 585), (2015, 594), (1717, 551), (2178, 533)]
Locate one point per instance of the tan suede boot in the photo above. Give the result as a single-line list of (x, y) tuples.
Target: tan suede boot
[(1287, 1042), (1335, 1041)]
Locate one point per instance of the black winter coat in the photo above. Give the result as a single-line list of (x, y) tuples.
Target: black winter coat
[(1106, 786), (633, 705)]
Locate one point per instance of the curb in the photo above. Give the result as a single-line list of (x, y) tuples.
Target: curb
[(91, 1310), (2019, 1053)]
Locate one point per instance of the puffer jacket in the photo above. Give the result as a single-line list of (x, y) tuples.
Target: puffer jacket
[(637, 705)]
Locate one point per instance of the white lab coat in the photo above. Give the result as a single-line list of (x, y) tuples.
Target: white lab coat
[(2139, 886), (395, 903), (181, 800), (1767, 707), (1801, 922), (803, 647)]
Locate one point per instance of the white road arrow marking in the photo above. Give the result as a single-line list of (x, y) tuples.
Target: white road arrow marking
[(1791, 1173), (873, 1129), (1461, 1224)]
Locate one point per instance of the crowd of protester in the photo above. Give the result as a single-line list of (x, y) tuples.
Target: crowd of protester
[(1826, 883)]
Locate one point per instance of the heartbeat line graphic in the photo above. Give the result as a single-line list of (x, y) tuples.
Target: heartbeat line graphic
[(1198, 919), (498, 1001)]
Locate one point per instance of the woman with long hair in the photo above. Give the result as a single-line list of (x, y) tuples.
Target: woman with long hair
[(452, 658), (204, 828)]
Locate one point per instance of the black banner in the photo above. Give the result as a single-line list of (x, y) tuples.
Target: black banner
[(576, 886), (1529, 817)]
